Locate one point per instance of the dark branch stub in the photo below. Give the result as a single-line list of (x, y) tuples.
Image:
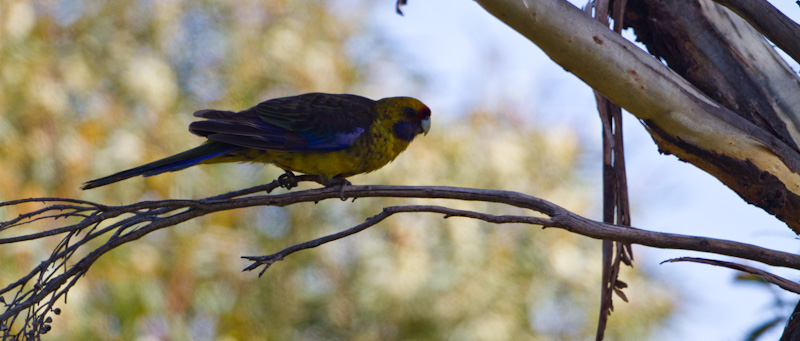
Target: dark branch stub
[(399, 4), (792, 330)]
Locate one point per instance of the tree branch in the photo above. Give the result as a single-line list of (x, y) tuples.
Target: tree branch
[(561, 218), (134, 221), (769, 277), (759, 166), (268, 260)]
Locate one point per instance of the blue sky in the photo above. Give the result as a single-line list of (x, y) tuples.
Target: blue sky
[(470, 56)]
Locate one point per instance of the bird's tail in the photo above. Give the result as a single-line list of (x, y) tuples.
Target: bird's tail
[(172, 163)]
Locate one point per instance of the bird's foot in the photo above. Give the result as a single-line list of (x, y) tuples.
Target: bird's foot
[(342, 183), (287, 180)]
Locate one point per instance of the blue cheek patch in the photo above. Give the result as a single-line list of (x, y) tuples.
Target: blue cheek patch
[(406, 131)]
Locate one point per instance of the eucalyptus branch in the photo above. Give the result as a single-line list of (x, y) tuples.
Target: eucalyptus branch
[(560, 218), (38, 290), (682, 120)]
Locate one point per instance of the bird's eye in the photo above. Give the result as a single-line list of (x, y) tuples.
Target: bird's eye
[(410, 112)]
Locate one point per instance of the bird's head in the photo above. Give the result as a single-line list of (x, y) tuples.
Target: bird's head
[(409, 116)]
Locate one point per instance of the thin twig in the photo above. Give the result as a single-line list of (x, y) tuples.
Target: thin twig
[(268, 260), (767, 276)]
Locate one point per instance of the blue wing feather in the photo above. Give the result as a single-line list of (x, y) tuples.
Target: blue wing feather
[(309, 122)]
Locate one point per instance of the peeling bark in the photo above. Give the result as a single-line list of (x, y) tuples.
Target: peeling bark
[(744, 177), (738, 123), (724, 57)]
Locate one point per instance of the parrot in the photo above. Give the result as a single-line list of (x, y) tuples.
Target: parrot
[(331, 136)]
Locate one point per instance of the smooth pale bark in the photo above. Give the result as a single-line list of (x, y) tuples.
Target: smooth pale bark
[(752, 161)]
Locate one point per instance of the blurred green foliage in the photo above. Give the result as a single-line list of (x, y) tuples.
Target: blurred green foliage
[(87, 89)]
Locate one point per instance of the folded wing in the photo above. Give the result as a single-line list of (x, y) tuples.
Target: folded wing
[(309, 122)]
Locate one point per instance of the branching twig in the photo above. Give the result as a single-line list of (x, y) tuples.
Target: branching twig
[(37, 291), (268, 260)]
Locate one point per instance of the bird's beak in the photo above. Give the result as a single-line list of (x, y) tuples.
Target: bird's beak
[(426, 125)]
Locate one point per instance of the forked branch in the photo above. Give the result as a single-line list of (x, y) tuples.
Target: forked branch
[(32, 297)]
